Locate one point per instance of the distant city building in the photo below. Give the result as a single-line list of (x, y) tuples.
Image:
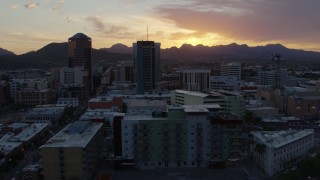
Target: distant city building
[(231, 69), (147, 71), (30, 97), (269, 77), (102, 102), (19, 84), (73, 153), (73, 102), (227, 83), (145, 106), (4, 92), (72, 91), (123, 72), (194, 79), (79, 55), (75, 75), (275, 151), (46, 114)]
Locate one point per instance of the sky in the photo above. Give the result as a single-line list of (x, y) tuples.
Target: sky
[(28, 25)]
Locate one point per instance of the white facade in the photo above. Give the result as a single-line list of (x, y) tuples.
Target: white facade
[(228, 83), (283, 149), (195, 79), (231, 69)]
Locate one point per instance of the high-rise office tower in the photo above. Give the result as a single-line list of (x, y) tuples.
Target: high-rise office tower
[(79, 55), (146, 65)]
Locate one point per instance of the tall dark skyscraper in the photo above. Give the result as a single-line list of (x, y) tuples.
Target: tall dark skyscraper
[(146, 65), (79, 55)]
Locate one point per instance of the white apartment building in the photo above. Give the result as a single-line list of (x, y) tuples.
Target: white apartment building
[(231, 69), (275, 151)]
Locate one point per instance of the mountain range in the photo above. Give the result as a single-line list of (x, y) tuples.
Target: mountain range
[(55, 55)]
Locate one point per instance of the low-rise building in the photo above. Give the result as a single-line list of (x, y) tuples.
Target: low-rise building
[(231, 102), (275, 151), (30, 97), (44, 114), (73, 153), (73, 102)]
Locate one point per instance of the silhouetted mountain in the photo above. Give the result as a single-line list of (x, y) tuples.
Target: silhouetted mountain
[(119, 48), (235, 52), (55, 55), (5, 52)]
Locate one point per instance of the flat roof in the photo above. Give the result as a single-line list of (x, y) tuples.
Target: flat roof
[(28, 133), (145, 102), (195, 71), (277, 139), (192, 93), (17, 125), (76, 134), (142, 117)]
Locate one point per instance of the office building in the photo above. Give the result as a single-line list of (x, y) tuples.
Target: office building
[(275, 151), (194, 79), (147, 71), (79, 55), (231, 69), (73, 153)]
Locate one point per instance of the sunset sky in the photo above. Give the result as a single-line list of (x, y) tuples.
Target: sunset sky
[(30, 24)]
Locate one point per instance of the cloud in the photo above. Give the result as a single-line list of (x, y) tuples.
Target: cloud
[(14, 6), (31, 5), (289, 21), (108, 30), (56, 5)]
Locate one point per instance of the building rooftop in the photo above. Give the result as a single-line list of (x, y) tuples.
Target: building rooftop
[(28, 133), (142, 117), (277, 139), (76, 134), (145, 102), (195, 71), (192, 93), (79, 36), (200, 108), (18, 125)]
